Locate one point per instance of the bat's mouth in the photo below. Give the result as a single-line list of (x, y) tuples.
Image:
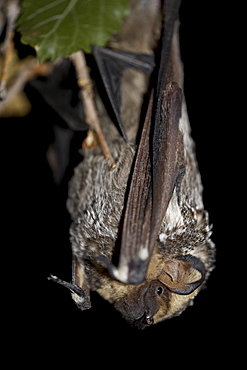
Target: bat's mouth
[(144, 321)]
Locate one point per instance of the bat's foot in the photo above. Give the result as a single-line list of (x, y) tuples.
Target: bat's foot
[(80, 296)]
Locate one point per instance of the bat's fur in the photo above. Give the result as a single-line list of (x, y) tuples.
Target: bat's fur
[(97, 194)]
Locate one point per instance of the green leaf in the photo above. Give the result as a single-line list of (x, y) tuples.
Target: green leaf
[(61, 27)]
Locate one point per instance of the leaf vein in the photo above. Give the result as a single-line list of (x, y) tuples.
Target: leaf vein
[(43, 9), (45, 21), (62, 16)]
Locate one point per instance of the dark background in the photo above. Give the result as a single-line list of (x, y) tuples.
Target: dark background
[(43, 318)]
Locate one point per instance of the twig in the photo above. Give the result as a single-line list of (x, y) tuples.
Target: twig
[(85, 84), (10, 11), (31, 70), (3, 78)]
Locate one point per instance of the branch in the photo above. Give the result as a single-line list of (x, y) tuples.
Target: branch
[(85, 84), (31, 70), (9, 13)]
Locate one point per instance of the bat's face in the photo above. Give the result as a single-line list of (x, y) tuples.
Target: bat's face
[(170, 286), (145, 304), (150, 303)]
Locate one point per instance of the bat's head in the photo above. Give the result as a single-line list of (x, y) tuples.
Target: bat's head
[(163, 294)]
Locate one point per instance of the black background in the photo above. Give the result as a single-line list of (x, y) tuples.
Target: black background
[(44, 321)]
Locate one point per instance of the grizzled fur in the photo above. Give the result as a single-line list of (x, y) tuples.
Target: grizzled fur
[(97, 194)]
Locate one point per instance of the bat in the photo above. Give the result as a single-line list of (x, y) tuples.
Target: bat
[(140, 235)]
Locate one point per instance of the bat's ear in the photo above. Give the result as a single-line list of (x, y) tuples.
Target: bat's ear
[(183, 274)]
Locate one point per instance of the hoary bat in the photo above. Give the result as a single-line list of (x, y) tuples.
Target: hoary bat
[(140, 235)]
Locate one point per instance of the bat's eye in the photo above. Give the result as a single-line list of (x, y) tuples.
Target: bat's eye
[(159, 290)]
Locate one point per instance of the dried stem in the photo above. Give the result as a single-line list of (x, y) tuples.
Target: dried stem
[(3, 77), (31, 70), (85, 84), (10, 10)]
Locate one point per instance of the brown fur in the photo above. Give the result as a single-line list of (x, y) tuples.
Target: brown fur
[(97, 194)]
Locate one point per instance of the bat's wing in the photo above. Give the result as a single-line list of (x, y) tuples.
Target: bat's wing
[(111, 64), (60, 90), (150, 193), (159, 166)]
